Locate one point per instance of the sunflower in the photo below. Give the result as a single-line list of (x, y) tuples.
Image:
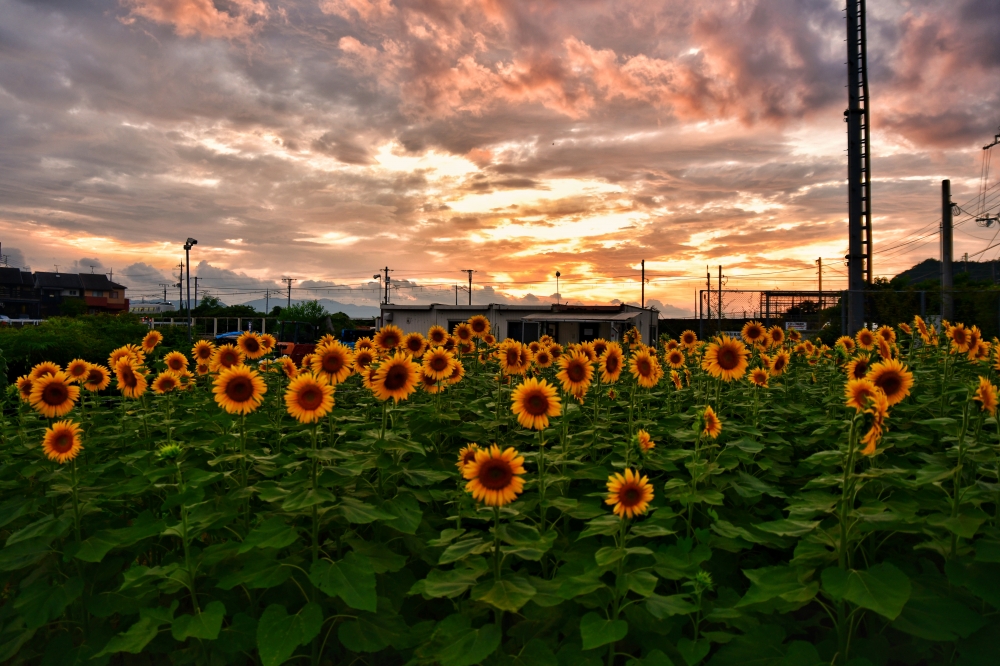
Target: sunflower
[(526, 357), (127, 351), (368, 376), (98, 378), (878, 407), (152, 339), (457, 373), (268, 342), (533, 402), (480, 325), (753, 332), (587, 348), (203, 369), (176, 361), (415, 344), (576, 373), (986, 395), (466, 347), (239, 390), (847, 342), (333, 361), (776, 335), (858, 391), (675, 359), (886, 333), (712, 424), (44, 368), (450, 343), (556, 350), (466, 455), (225, 357), (884, 350), (689, 339), (858, 368), (671, 345), (463, 332), (436, 335), (918, 321), (327, 339), (611, 363), (438, 364), (165, 382), (77, 369), (430, 384), (630, 494), (62, 441), (959, 338), (687, 376), (511, 354), (186, 379), (306, 362), (975, 337), (645, 368), (24, 387), (726, 359), (309, 397), (646, 442), (203, 351), (893, 378), (866, 339), (131, 381), (363, 358), (54, 395), (758, 377), (543, 357), (364, 343), (676, 379), (600, 345), (489, 340), (905, 328), (494, 477), (249, 344), (981, 352), (793, 336), (389, 337), (396, 378), (534, 346), (779, 363)]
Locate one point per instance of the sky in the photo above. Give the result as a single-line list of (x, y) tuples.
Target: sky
[(323, 140)]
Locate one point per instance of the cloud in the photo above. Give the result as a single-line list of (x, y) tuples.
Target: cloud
[(239, 19)]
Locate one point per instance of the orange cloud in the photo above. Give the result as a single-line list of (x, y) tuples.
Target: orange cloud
[(202, 17)]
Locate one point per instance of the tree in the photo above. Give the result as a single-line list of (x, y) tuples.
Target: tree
[(72, 307), (308, 311)]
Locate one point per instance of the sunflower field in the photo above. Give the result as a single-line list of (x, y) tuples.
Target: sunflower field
[(453, 499)]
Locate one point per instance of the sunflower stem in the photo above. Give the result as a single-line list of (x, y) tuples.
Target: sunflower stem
[(956, 496), (541, 481)]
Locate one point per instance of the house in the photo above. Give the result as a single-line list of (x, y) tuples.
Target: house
[(95, 291), (18, 299), (565, 323)]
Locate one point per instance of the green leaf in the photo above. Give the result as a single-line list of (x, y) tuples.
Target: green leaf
[(676, 604), (273, 533), (405, 513), (135, 639), (607, 556), (381, 559), (239, 636), (351, 579), (508, 594), (205, 624), (49, 527), (535, 653), (788, 527), (96, 546), (464, 548), (470, 646), (279, 634), (596, 631), (771, 582), (935, 618), (42, 602), (642, 583), (361, 513), (693, 651), (448, 583), (652, 658), (883, 588)]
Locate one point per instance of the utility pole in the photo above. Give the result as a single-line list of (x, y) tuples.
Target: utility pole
[(859, 231), (385, 283), (289, 280), (456, 294), (470, 272), (720, 299), (708, 294), (267, 300), (196, 291), (164, 285), (180, 287), (187, 256), (819, 264), (558, 295), (947, 277), (643, 302)]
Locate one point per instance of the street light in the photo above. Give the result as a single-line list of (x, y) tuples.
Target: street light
[(558, 295), (187, 260)]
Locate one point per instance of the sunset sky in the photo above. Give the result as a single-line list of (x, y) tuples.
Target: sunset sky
[(326, 139)]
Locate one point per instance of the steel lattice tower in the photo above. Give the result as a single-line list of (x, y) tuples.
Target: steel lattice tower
[(859, 225)]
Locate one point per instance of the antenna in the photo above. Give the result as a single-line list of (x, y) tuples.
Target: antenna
[(470, 272)]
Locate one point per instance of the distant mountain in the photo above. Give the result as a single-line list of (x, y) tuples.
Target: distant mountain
[(332, 306), (930, 269)]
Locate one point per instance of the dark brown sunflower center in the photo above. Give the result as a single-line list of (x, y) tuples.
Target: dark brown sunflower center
[(239, 389), (175, 364), (251, 345), (390, 340), (396, 378), (860, 369), (536, 404), (362, 360), (439, 363), (779, 363), (600, 349), (644, 367), (437, 338), (129, 378), (413, 344), (753, 333), (513, 357), (228, 359), (478, 326), (204, 353), (62, 442), (542, 357), (630, 496), (333, 363), (890, 382), (469, 457), (612, 363), (495, 474), (728, 358), (310, 398), (576, 373)]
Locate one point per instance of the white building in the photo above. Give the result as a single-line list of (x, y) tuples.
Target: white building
[(565, 323)]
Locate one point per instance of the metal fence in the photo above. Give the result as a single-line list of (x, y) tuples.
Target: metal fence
[(205, 327)]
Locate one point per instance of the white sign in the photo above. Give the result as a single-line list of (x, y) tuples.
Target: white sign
[(795, 325)]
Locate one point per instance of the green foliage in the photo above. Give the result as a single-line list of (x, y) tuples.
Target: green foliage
[(61, 339), (308, 311), (183, 534), (72, 307)]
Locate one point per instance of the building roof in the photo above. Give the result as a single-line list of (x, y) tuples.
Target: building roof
[(15, 276), (583, 317), (58, 281), (98, 282)]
